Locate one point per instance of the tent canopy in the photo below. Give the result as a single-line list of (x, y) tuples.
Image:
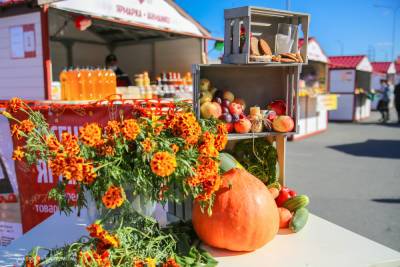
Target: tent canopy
[(384, 67), (154, 15)]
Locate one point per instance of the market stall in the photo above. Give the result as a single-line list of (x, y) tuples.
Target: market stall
[(397, 73), (382, 71), (41, 40), (314, 99), (350, 79), (151, 39)]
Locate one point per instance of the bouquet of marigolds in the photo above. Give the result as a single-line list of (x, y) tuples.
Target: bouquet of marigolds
[(162, 157)]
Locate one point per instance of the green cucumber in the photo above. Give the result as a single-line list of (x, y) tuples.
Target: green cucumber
[(228, 162), (296, 202), (299, 219)]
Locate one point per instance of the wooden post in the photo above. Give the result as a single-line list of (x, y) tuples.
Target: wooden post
[(281, 151)]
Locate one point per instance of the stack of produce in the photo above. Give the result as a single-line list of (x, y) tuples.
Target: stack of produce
[(225, 106)]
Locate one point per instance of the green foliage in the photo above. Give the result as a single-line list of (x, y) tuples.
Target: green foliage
[(258, 157)]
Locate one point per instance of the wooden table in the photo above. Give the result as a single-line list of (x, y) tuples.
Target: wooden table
[(319, 244)]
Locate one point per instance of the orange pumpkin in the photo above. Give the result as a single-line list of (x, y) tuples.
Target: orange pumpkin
[(244, 216)]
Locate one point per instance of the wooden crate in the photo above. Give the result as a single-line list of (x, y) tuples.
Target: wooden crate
[(257, 84), (262, 23)]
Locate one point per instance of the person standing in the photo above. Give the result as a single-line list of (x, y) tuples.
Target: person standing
[(122, 78), (383, 104), (397, 100)]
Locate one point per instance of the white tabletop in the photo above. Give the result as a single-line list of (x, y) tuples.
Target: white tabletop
[(319, 244)]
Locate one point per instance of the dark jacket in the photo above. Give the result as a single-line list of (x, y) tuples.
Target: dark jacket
[(397, 94)]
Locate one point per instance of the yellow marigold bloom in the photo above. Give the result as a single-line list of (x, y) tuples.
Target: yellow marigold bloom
[(110, 240), (90, 135), (147, 145), (151, 262), (18, 154), (130, 129), (114, 197), (163, 164), (112, 128), (208, 150), (14, 104)]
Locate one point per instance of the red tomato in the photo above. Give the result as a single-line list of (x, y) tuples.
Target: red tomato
[(283, 196), (292, 193)]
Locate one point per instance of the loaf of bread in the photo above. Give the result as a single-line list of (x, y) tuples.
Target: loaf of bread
[(254, 46), (264, 48)]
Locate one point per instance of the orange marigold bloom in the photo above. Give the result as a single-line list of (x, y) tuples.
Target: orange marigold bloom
[(15, 131), (114, 197), (53, 144), (138, 263), (90, 135), (74, 169), (32, 261), (222, 137), (163, 164), (171, 263), (89, 258), (26, 126), (18, 154), (185, 125), (130, 129), (89, 174), (174, 148), (57, 165), (106, 150), (147, 145), (70, 143), (14, 104), (95, 230), (112, 128)]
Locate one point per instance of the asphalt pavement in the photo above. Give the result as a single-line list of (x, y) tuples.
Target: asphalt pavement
[(352, 176)]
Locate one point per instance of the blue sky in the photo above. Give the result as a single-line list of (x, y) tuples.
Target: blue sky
[(356, 24)]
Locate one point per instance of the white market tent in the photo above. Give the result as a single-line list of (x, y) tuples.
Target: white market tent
[(350, 79)]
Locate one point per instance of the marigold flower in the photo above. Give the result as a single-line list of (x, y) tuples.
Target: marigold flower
[(138, 263), (174, 148), (106, 150), (163, 164), (222, 137), (171, 263), (90, 135), (26, 126), (70, 144), (95, 230), (32, 261), (15, 131), (91, 257), (185, 125), (89, 174), (18, 154), (114, 197), (130, 129), (151, 262), (112, 128), (53, 144), (14, 104), (147, 145), (73, 169), (57, 165)]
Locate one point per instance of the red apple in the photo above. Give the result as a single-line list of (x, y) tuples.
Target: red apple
[(243, 126), (279, 106), (235, 109), (230, 128)]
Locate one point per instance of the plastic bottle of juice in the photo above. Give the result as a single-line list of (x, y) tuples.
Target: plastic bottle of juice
[(64, 84), (106, 83), (73, 84), (90, 84), (97, 77), (113, 82), (84, 84)]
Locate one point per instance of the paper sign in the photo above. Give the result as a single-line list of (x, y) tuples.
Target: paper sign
[(22, 41), (327, 102)]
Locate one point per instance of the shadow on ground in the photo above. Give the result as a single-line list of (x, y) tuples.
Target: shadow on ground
[(387, 200), (372, 148)]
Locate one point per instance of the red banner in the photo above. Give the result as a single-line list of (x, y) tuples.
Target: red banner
[(34, 182)]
